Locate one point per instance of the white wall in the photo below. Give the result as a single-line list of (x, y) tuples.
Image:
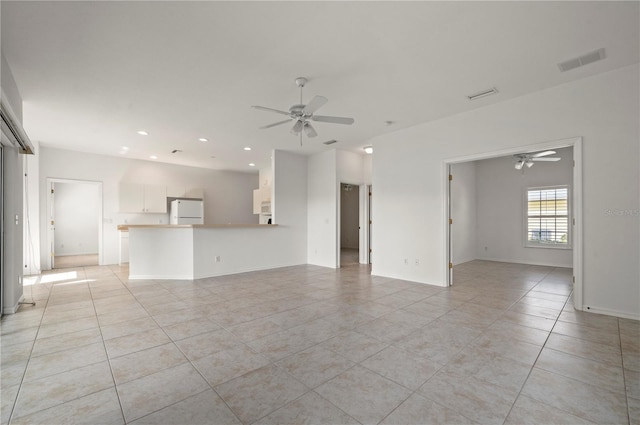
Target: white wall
[(31, 238), (76, 212), (408, 180), (228, 195), (289, 205), (12, 251), (501, 208), (463, 212), (322, 201), (349, 216), (12, 201)]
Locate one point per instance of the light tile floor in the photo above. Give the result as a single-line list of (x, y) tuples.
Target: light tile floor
[(310, 345)]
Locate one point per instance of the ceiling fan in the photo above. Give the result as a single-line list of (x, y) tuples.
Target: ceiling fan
[(304, 114), (528, 159)]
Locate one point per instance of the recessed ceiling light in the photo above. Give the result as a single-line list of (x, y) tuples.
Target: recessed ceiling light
[(143, 133), (247, 148), (153, 157), (125, 148), (368, 149), (202, 139), (251, 164)]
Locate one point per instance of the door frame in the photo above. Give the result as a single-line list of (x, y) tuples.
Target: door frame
[(577, 237), (363, 214), (50, 229)]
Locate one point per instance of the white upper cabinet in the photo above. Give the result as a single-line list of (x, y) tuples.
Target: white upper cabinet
[(142, 198), (131, 197), (185, 192), (155, 199)]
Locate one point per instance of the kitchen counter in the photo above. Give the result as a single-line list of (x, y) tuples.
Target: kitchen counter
[(125, 227), (194, 251)]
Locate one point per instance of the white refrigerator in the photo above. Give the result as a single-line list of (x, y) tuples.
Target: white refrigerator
[(184, 211)]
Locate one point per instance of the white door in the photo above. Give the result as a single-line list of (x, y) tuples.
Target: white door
[(52, 227)]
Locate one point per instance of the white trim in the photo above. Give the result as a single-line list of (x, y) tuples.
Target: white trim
[(607, 312), (576, 143), (363, 243), (577, 228), (407, 279), (13, 309), (528, 263), (448, 273)]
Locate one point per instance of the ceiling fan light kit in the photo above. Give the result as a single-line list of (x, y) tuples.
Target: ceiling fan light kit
[(303, 114), (528, 159)]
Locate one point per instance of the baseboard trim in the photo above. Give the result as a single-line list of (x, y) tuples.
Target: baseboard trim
[(608, 312), (529, 263), (406, 278), (13, 309)]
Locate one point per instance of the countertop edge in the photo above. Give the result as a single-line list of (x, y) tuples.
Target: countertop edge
[(126, 227)]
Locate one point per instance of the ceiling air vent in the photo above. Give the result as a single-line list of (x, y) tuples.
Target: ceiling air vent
[(582, 60), (483, 93), (330, 142)]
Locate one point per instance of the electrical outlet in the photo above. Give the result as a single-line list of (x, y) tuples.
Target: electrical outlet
[(218, 259), (486, 248), (406, 261), (417, 262)]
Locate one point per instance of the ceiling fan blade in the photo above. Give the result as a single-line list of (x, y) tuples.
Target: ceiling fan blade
[(297, 127), (334, 120), (545, 153), (309, 131), (275, 123), (315, 104), (263, 108), (546, 159)]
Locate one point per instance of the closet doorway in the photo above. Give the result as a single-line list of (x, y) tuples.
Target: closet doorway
[(349, 225)]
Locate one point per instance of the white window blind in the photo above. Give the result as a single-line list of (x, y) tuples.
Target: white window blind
[(547, 217)]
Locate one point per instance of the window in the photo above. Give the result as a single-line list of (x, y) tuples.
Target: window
[(547, 217)]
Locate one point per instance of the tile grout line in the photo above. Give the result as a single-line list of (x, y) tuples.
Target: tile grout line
[(113, 378), (536, 361), (15, 402)]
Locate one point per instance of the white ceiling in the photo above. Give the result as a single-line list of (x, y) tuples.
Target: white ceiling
[(93, 73)]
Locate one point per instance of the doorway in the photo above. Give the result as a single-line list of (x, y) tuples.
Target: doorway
[(575, 217), (75, 223), (349, 225)]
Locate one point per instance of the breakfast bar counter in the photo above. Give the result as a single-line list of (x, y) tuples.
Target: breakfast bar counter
[(196, 251)]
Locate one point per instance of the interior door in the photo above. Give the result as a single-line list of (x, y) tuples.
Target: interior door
[(450, 242), (52, 227), (2, 180), (370, 226)]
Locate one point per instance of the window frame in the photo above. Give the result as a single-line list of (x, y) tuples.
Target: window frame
[(531, 244)]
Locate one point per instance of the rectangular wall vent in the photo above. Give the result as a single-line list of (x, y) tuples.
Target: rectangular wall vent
[(582, 60), (330, 142), (483, 93)]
